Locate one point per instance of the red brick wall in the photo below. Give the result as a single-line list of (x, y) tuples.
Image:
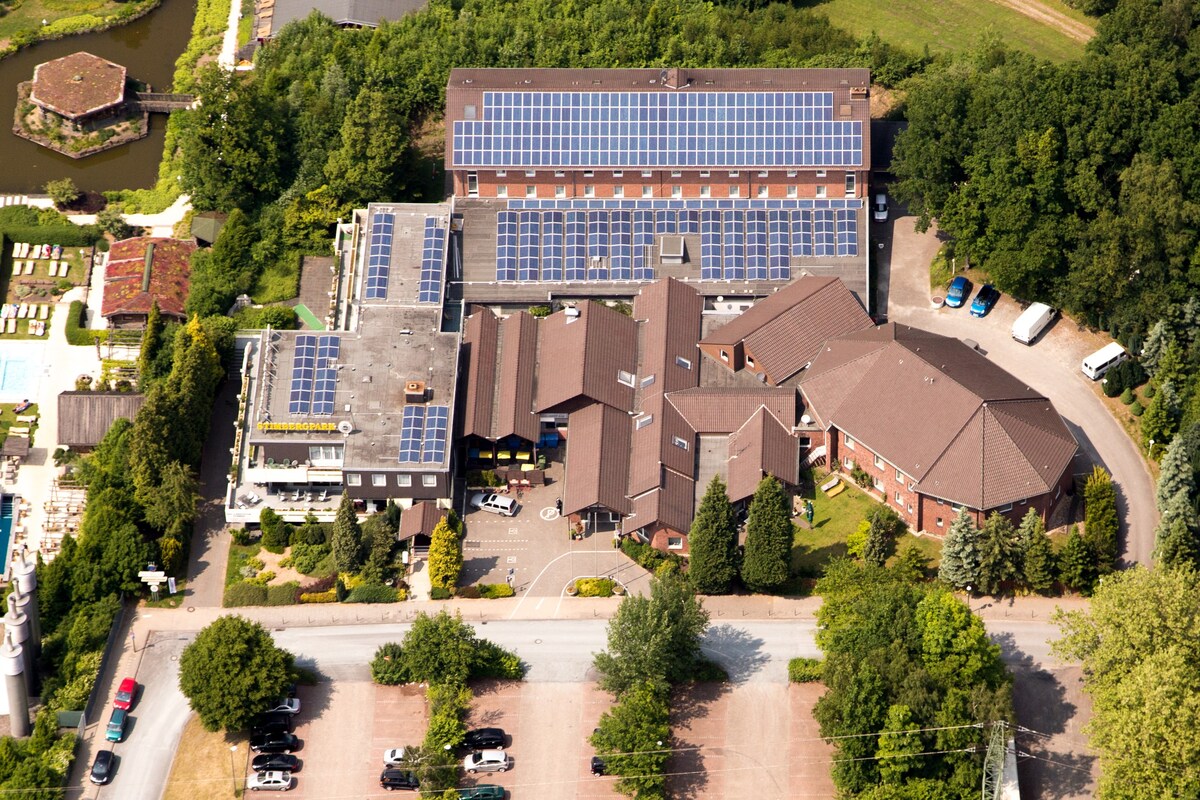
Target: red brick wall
[(658, 539), (885, 477)]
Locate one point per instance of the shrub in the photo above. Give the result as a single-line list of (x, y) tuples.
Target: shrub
[(244, 593), (322, 584), (240, 536), (483, 477), (594, 587), (647, 557), (438, 593), (372, 593), (388, 665), (1136, 409), (540, 311), (77, 332), (283, 594), (495, 591), (469, 592), (493, 661), (262, 578), (861, 477), (804, 670), (1127, 396), (328, 596), (312, 559), (277, 317)]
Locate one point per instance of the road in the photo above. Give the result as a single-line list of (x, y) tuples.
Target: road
[(1050, 366)]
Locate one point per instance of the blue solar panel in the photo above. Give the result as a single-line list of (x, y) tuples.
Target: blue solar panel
[(325, 382), (756, 244), (710, 245), (433, 260), (779, 241), (412, 433), (620, 260), (433, 440), (597, 245), (657, 129), (304, 364), (666, 221), (552, 246), (643, 241), (802, 234), (824, 234), (576, 248), (506, 246), (734, 242), (527, 246), (847, 232), (379, 256)]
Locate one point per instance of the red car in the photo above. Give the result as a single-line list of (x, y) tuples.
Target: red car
[(125, 694)]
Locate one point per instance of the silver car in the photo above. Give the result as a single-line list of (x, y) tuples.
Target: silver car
[(269, 781), (486, 761)]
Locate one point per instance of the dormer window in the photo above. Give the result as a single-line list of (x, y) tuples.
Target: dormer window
[(627, 378), (643, 421)]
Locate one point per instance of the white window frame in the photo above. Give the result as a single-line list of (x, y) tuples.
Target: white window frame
[(735, 191), (822, 191), (501, 173), (791, 173), (724, 355), (646, 381), (647, 191), (531, 190), (560, 173), (676, 192), (820, 173), (940, 523), (560, 191), (899, 477), (618, 173), (378, 479), (404, 480), (706, 191), (501, 190), (589, 191), (763, 191), (353, 479), (618, 191), (851, 184), (626, 378), (704, 173), (680, 361), (647, 173), (680, 442), (429, 480), (674, 542), (878, 461), (589, 173), (762, 173), (734, 173), (1005, 509), (849, 441), (643, 421), (899, 501), (793, 191), (531, 173)]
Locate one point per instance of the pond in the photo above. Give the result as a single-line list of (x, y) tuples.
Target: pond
[(148, 48)]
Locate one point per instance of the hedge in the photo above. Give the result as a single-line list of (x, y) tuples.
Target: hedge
[(77, 332), (329, 596), (493, 661), (438, 593), (245, 594), (804, 670), (284, 594), (594, 587), (495, 591), (371, 593), (647, 557)]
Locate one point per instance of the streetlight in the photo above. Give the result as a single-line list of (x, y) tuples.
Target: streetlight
[(232, 768)]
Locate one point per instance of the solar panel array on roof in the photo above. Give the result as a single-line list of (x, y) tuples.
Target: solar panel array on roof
[(424, 434), (692, 205), (433, 261), (314, 376), (657, 129), (379, 255)]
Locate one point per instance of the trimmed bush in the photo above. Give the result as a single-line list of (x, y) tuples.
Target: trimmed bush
[(244, 593), (240, 536), (328, 596), (438, 593), (495, 591), (647, 557), (388, 666), (371, 593), (283, 595), (594, 587), (312, 559), (1127, 396), (262, 578), (804, 670), (1136, 409), (469, 592), (77, 332)]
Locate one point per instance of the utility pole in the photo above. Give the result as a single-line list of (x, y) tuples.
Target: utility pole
[(993, 762)]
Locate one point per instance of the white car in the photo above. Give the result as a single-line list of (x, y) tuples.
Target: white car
[(486, 761), (286, 705), (495, 503), (269, 781), (881, 204), (393, 757)]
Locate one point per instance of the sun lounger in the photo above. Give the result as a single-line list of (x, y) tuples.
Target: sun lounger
[(43, 311), (22, 311), (56, 251), (29, 265), (45, 251), (24, 250), (53, 269), (11, 327), (62, 269), (27, 418), (38, 327)]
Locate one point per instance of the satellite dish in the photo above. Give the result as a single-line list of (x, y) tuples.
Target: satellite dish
[(345, 426)]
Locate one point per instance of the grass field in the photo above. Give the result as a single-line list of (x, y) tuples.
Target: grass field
[(954, 25), (29, 14), (834, 519), (206, 767)]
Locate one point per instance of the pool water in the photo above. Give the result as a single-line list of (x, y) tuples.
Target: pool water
[(6, 521), (14, 376)]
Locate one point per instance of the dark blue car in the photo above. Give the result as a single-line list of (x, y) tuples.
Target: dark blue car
[(984, 301), (960, 290)]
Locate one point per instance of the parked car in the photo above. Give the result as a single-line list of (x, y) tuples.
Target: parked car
[(598, 766), (484, 791), (495, 503), (987, 297), (270, 781), (486, 761), (115, 731), (484, 738), (285, 705), (102, 768), (275, 762), (125, 694), (880, 209), (273, 721), (393, 779), (959, 291), (393, 757), (274, 742)]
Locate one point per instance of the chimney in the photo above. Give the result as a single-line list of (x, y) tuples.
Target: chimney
[(414, 392), (146, 268)]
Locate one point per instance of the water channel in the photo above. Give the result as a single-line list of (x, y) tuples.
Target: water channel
[(147, 48)]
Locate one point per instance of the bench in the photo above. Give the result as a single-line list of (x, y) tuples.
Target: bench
[(836, 490), (829, 484)]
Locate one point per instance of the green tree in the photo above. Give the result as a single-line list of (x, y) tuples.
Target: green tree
[(999, 554), (712, 542), (369, 164), (1039, 566), (112, 221), (231, 671), (1157, 341), (655, 638), (219, 275), (379, 540), (445, 555), (954, 645), (769, 537), (175, 501), (899, 745), (883, 526), (62, 191), (633, 737), (960, 552), (911, 563), (1077, 563), (1157, 424), (346, 540), (151, 343), (441, 650), (1139, 641), (1175, 474), (1101, 521), (1176, 542)]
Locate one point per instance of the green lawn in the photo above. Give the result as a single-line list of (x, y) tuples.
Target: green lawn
[(834, 519), (239, 554), (954, 25), (8, 419), (19, 17)]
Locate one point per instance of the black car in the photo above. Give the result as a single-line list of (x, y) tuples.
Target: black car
[(102, 768), (274, 742), (275, 762), (275, 721), (598, 766), (485, 739), (393, 779)]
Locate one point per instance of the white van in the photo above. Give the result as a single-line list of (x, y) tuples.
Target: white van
[(495, 503), (1032, 321), (1104, 359)]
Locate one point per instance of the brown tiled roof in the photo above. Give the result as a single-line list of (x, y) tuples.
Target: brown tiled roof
[(422, 518), (481, 338), (941, 412), (581, 356), (725, 410), (761, 447), (785, 330), (78, 85), (672, 504), (126, 271), (597, 459), (518, 359)]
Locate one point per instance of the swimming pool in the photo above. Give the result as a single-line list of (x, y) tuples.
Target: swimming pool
[(20, 371), (6, 521)]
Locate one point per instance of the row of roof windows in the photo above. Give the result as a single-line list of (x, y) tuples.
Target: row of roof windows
[(380, 479), (649, 173), (531, 191)]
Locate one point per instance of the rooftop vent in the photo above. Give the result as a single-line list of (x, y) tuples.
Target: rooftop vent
[(414, 392)]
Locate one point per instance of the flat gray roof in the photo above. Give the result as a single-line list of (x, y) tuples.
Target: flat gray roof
[(407, 245)]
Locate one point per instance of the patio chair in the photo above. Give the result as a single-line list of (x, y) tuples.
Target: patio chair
[(324, 495)]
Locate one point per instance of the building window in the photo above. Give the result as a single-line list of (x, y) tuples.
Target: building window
[(724, 355), (618, 191), (353, 479), (589, 191), (560, 191), (704, 173), (647, 191), (404, 480), (878, 461), (614, 516), (560, 173), (531, 191), (735, 191), (849, 443), (1005, 509), (762, 191), (705, 191), (898, 500), (676, 191), (680, 361), (501, 173), (878, 484), (820, 191), (805, 441), (941, 502), (646, 381), (1025, 501), (646, 173), (849, 184), (643, 421), (587, 173), (848, 462), (791, 173), (618, 173), (472, 184), (676, 173), (792, 191), (531, 173), (733, 173), (626, 378), (762, 173), (378, 479), (325, 455), (940, 523), (899, 477), (750, 361), (679, 442), (674, 542), (501, 191), (820, 173), (429, 480)]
